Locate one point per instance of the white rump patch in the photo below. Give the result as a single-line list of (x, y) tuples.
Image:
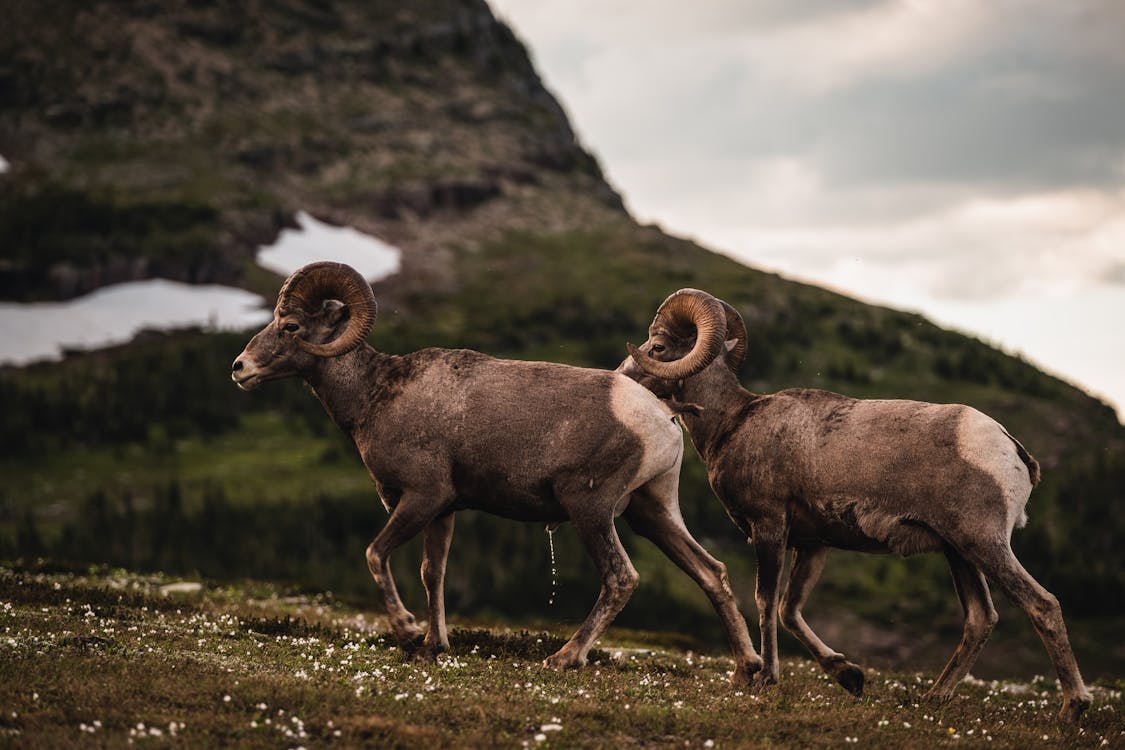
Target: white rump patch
[(983, 443), (643, 414)]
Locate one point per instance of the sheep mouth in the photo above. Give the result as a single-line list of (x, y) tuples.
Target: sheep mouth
[(246, 382)]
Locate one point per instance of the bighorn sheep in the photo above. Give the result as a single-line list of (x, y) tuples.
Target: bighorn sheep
[(808, 469), (445, 430)]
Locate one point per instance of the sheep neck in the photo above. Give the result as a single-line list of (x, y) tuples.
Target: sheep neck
[(343, 385), (719, 392)]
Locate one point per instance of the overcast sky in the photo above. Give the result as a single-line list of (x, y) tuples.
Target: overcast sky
[(961, 158)]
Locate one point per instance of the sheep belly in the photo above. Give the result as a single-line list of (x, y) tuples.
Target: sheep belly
[(495, 492), (860, 527)]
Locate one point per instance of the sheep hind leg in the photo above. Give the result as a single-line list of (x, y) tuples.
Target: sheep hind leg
[(804, 572), (404, 524), (654, 513), (1002, 568), (619, 579), (436, 538), (980, 619)]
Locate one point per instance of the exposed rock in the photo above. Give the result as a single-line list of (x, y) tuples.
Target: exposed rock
[(416, 117)]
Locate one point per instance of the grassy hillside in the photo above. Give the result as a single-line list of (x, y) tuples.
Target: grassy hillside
[(155, 140), (262, 484), (113, 657)]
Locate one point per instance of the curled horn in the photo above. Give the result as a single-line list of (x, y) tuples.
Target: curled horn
[(683, 309), (311, 285)]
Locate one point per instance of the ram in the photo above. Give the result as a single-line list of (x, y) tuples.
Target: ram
[(808, 470), (444, 430)]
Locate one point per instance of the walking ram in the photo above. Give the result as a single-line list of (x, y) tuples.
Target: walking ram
[(808, 470), (442, 430)]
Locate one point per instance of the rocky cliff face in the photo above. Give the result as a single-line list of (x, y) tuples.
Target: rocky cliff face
[(155, 140)]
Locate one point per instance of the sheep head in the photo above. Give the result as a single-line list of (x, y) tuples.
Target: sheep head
[(323, 310), (686, 335)]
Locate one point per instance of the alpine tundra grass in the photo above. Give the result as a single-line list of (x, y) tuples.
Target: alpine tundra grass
[(108, 657)]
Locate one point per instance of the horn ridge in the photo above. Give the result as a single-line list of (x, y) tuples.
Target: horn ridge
[(689, 308), (308, 287)]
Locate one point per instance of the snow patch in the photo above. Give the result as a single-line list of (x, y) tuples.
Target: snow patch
[(114, 314), (315, 241)]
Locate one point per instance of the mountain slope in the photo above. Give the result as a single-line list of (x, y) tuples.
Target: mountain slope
[(171, 141), (148, 139)]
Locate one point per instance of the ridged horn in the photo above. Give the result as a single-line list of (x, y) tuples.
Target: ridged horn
[(736, 329), (309, 286), (687, 308)]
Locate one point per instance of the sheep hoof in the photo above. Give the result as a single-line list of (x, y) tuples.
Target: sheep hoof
[(429, 652), (764, 679), (562, 659), (1073, 708), (849, 676), (410, 639), (744, 674), (933, 695)]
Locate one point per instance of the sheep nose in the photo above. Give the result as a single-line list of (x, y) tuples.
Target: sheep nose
[(236, 366)]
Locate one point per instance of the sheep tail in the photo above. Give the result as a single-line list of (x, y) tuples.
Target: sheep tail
[(1029, 461)]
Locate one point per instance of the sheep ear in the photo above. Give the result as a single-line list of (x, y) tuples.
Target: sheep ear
[(333, 310), (730, 344)]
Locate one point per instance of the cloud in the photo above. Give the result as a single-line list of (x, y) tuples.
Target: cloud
[(855, 112), (1037, 244), (1115, 274), (891, 40), (1007, 96), (942, 155)]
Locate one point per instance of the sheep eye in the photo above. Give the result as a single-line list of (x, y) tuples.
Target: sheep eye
[(291, 327), (657, 348)]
